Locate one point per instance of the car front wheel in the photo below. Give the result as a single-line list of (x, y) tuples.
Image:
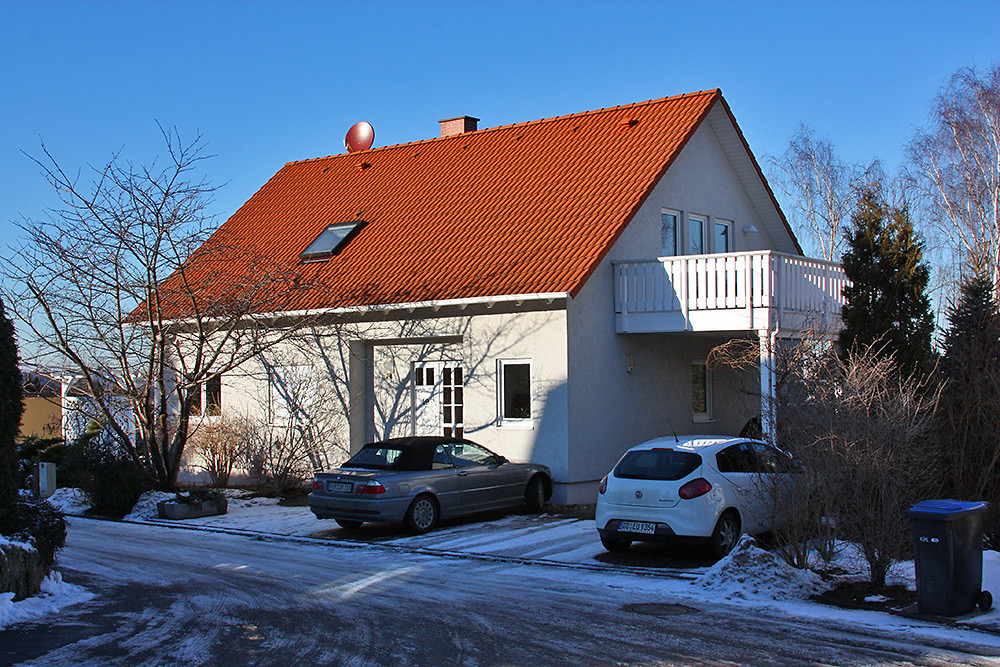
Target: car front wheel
[(725, 535), (422, 516)]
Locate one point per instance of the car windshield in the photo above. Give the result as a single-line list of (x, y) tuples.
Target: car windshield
[(387, 458), (659, 464)]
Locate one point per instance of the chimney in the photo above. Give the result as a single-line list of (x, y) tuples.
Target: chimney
[(458, 125)]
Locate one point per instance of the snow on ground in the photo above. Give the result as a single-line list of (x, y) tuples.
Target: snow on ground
[(70, 501), (750, 573), (991, 583), (264, 515), (145, 507), (55, 595), (238, 501), (749, 576)]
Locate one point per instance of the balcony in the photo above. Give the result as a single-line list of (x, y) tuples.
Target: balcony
[(736, 291)]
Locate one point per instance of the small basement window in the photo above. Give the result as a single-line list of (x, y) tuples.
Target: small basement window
[(331, 241)]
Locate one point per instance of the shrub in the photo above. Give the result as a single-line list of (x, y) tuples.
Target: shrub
[(39, 530), (219, 444), (42, 525), (110, 477), (865, 432)]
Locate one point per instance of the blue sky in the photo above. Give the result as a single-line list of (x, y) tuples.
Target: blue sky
[(267, 83)]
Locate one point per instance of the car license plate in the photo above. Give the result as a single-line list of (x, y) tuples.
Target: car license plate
[(339, 487), (637, 527)]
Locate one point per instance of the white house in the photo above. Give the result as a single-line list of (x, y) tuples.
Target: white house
[(551, 289)]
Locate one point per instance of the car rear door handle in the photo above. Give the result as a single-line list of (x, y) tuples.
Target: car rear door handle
[(463, 473)]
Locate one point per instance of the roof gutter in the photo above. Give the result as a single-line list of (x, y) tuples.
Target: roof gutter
[(488, 301)]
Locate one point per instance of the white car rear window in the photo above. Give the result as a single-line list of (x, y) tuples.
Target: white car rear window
[(659, 464)]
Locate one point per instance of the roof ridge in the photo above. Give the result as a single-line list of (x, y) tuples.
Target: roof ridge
[(579, 114)]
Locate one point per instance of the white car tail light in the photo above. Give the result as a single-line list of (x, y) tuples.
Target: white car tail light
[(695, 488)]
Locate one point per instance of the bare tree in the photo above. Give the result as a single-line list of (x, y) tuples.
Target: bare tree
[(803, 509), (125, 284), (219, 445), (864, 434), (819, 187), (955, 165)]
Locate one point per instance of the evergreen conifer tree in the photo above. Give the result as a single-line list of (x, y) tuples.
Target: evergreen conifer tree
[(11, 407), (969, 409), (887, 303)]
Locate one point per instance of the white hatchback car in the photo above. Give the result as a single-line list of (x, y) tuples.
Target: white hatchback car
[(704, 487)]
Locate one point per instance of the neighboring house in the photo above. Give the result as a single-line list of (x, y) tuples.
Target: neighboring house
[(42, 416), (56, 405), (551, 289)]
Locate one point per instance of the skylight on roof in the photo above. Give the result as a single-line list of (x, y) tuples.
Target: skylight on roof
[(331, 241)]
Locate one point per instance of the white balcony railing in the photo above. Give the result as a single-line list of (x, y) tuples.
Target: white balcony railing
[(735, 291)]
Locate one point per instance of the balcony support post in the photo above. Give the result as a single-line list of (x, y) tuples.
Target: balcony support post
[(767, 340)]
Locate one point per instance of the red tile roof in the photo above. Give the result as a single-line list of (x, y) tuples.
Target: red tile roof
[(519, 209)]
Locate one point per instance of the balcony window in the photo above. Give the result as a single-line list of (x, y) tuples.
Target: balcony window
[(668, 232), (696, 234), (723, 236)]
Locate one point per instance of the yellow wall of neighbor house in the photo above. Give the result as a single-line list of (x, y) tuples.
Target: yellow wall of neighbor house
[(41, 418)]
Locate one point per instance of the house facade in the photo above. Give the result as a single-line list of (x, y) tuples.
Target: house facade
[(552, 289)]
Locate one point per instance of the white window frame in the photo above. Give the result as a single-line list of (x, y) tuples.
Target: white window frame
[(512, 422), (718, 222), (709, 414), (703, 220), (678, 222), (203, 404)]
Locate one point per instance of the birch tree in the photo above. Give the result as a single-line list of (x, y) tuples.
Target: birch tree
[(955, 166), (818, 185)]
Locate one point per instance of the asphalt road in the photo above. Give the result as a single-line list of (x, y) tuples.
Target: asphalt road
[(168, 597)]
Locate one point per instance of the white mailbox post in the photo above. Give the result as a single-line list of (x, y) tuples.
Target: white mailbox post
[(45, 479)]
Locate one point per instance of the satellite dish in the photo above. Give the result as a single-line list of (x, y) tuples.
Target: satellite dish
[(360, 137)]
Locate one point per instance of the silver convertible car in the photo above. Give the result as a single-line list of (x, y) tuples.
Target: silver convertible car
[(420, 480)]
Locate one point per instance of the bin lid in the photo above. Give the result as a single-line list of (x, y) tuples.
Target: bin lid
[(948, 506)]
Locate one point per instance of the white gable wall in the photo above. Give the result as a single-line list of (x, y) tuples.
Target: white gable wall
[(611, 409)]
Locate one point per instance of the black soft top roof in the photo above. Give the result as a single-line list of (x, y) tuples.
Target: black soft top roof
[(416, 453)]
